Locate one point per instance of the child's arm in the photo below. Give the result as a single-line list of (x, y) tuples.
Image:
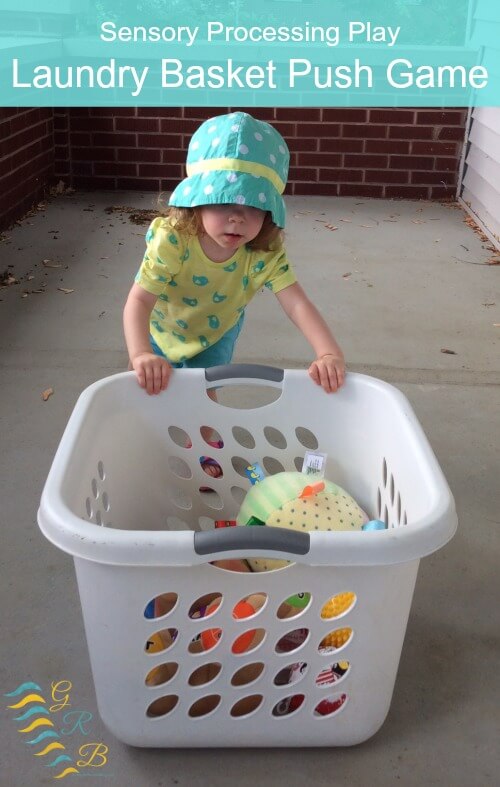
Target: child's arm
[(328, 370), (153, 371)]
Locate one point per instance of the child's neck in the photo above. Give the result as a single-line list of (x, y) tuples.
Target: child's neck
[(213, 251)]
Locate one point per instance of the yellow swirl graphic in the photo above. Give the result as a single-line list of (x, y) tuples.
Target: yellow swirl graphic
[(50, 747), (26, 700), (37, 723), (66, 773)]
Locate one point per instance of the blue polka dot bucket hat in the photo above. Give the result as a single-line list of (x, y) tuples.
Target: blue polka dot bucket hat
[(235, 159)]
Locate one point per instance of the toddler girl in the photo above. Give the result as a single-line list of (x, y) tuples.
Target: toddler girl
[(218, 245)]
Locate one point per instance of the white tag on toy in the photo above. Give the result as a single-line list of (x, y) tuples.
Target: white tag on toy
[(314, 464)]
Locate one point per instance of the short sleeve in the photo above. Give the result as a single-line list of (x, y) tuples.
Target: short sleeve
[(162, 259), (280, 274)]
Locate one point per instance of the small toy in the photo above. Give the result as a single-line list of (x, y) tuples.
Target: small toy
[(283, 500), (255, 473), (335, 639), (375, 524), (337, 605), (243, 609)]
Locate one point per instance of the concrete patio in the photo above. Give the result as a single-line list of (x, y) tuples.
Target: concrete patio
[(408, 292)]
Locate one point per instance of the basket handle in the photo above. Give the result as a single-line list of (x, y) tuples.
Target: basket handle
[(243, 372), (230, 539)]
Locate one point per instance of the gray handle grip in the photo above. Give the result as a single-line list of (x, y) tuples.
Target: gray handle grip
[(229, 539), (253, 371)]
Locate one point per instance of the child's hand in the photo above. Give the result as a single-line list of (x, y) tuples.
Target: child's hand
[(329, 372), (153, 372)]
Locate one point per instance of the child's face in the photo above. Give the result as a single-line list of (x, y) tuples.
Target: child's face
[(228, 227)]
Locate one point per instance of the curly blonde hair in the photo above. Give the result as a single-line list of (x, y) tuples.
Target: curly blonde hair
[(188, 220)]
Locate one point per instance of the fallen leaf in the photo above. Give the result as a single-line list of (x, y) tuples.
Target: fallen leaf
[(448, 352), (47, 394), (417, 221), (346, 275), (348, 221), (6, 279), (496, 324), (488, 304), (390, 220), (330, 227), (65, 290), (50, 264), (367, 226), (493, 261)]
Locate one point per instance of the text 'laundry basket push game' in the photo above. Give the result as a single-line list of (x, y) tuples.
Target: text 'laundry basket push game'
[(179, 655)]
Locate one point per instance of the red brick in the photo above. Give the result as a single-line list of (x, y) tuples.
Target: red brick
[(348, 190), (392, 116), (158, 141), (159, 112), (114, 168), (345, 115), (322, 130), (93, 183), (407, 192), (137, 124), (139, 154), (439, 178), (298, 144), (94, 124), (286, 130), (366, 130), (386, 146), (452, 132), (411, 162), (300, 173), (261, 113), (446, 164), (365, 161), (319, 159), (114, 139), (441, 192), (442, 117), (296, 114), (160, 171), (386, 176), (112, 111), (178, 125), (203, 113), (93, 154), (82, 168), (171, 156), (411, 132), (341, 175), (434, 148), (316, 189), (168, 184)]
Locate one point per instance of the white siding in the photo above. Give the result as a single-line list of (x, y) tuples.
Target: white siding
[(479, 190)]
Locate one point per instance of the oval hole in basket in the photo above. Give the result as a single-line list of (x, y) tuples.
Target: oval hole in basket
[(212, 437), (248, 641), (272, 466), (299, 463), (335, 639), (247, 674), (179, 467), (247, 397), (306, 438), (330, 705), (294, 605), (338, 605), (211, 467), (204, 705), (274, 437), (205, 606), (205, 674), (291, 674), (333, 673), (240, 465), (292, 640), (288, 705), (160, 605), (160, 640), (162, 706), (211, 498), (207, 640), (179, 437), (248, 606), (175, 523), (238, 494), (243, 437), (246, 705), (161, 674)]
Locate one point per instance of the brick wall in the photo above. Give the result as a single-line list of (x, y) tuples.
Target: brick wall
[(411, 153), (26, 159)]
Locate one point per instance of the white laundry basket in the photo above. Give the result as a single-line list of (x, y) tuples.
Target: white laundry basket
[(123, 497)]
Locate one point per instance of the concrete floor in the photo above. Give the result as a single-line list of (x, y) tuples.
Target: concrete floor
[(399, 282)]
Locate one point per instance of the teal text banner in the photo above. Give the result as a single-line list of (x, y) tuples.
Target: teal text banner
[(249, 52)]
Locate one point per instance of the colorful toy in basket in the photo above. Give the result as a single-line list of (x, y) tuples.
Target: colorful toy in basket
[(286, 500)]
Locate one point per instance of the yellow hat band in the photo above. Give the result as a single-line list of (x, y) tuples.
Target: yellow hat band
[(237, 165)]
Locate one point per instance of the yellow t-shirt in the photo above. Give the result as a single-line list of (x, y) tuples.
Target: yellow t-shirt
[(200, 300)]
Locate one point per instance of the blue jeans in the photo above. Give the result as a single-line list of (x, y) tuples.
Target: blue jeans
[(217, 354)]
